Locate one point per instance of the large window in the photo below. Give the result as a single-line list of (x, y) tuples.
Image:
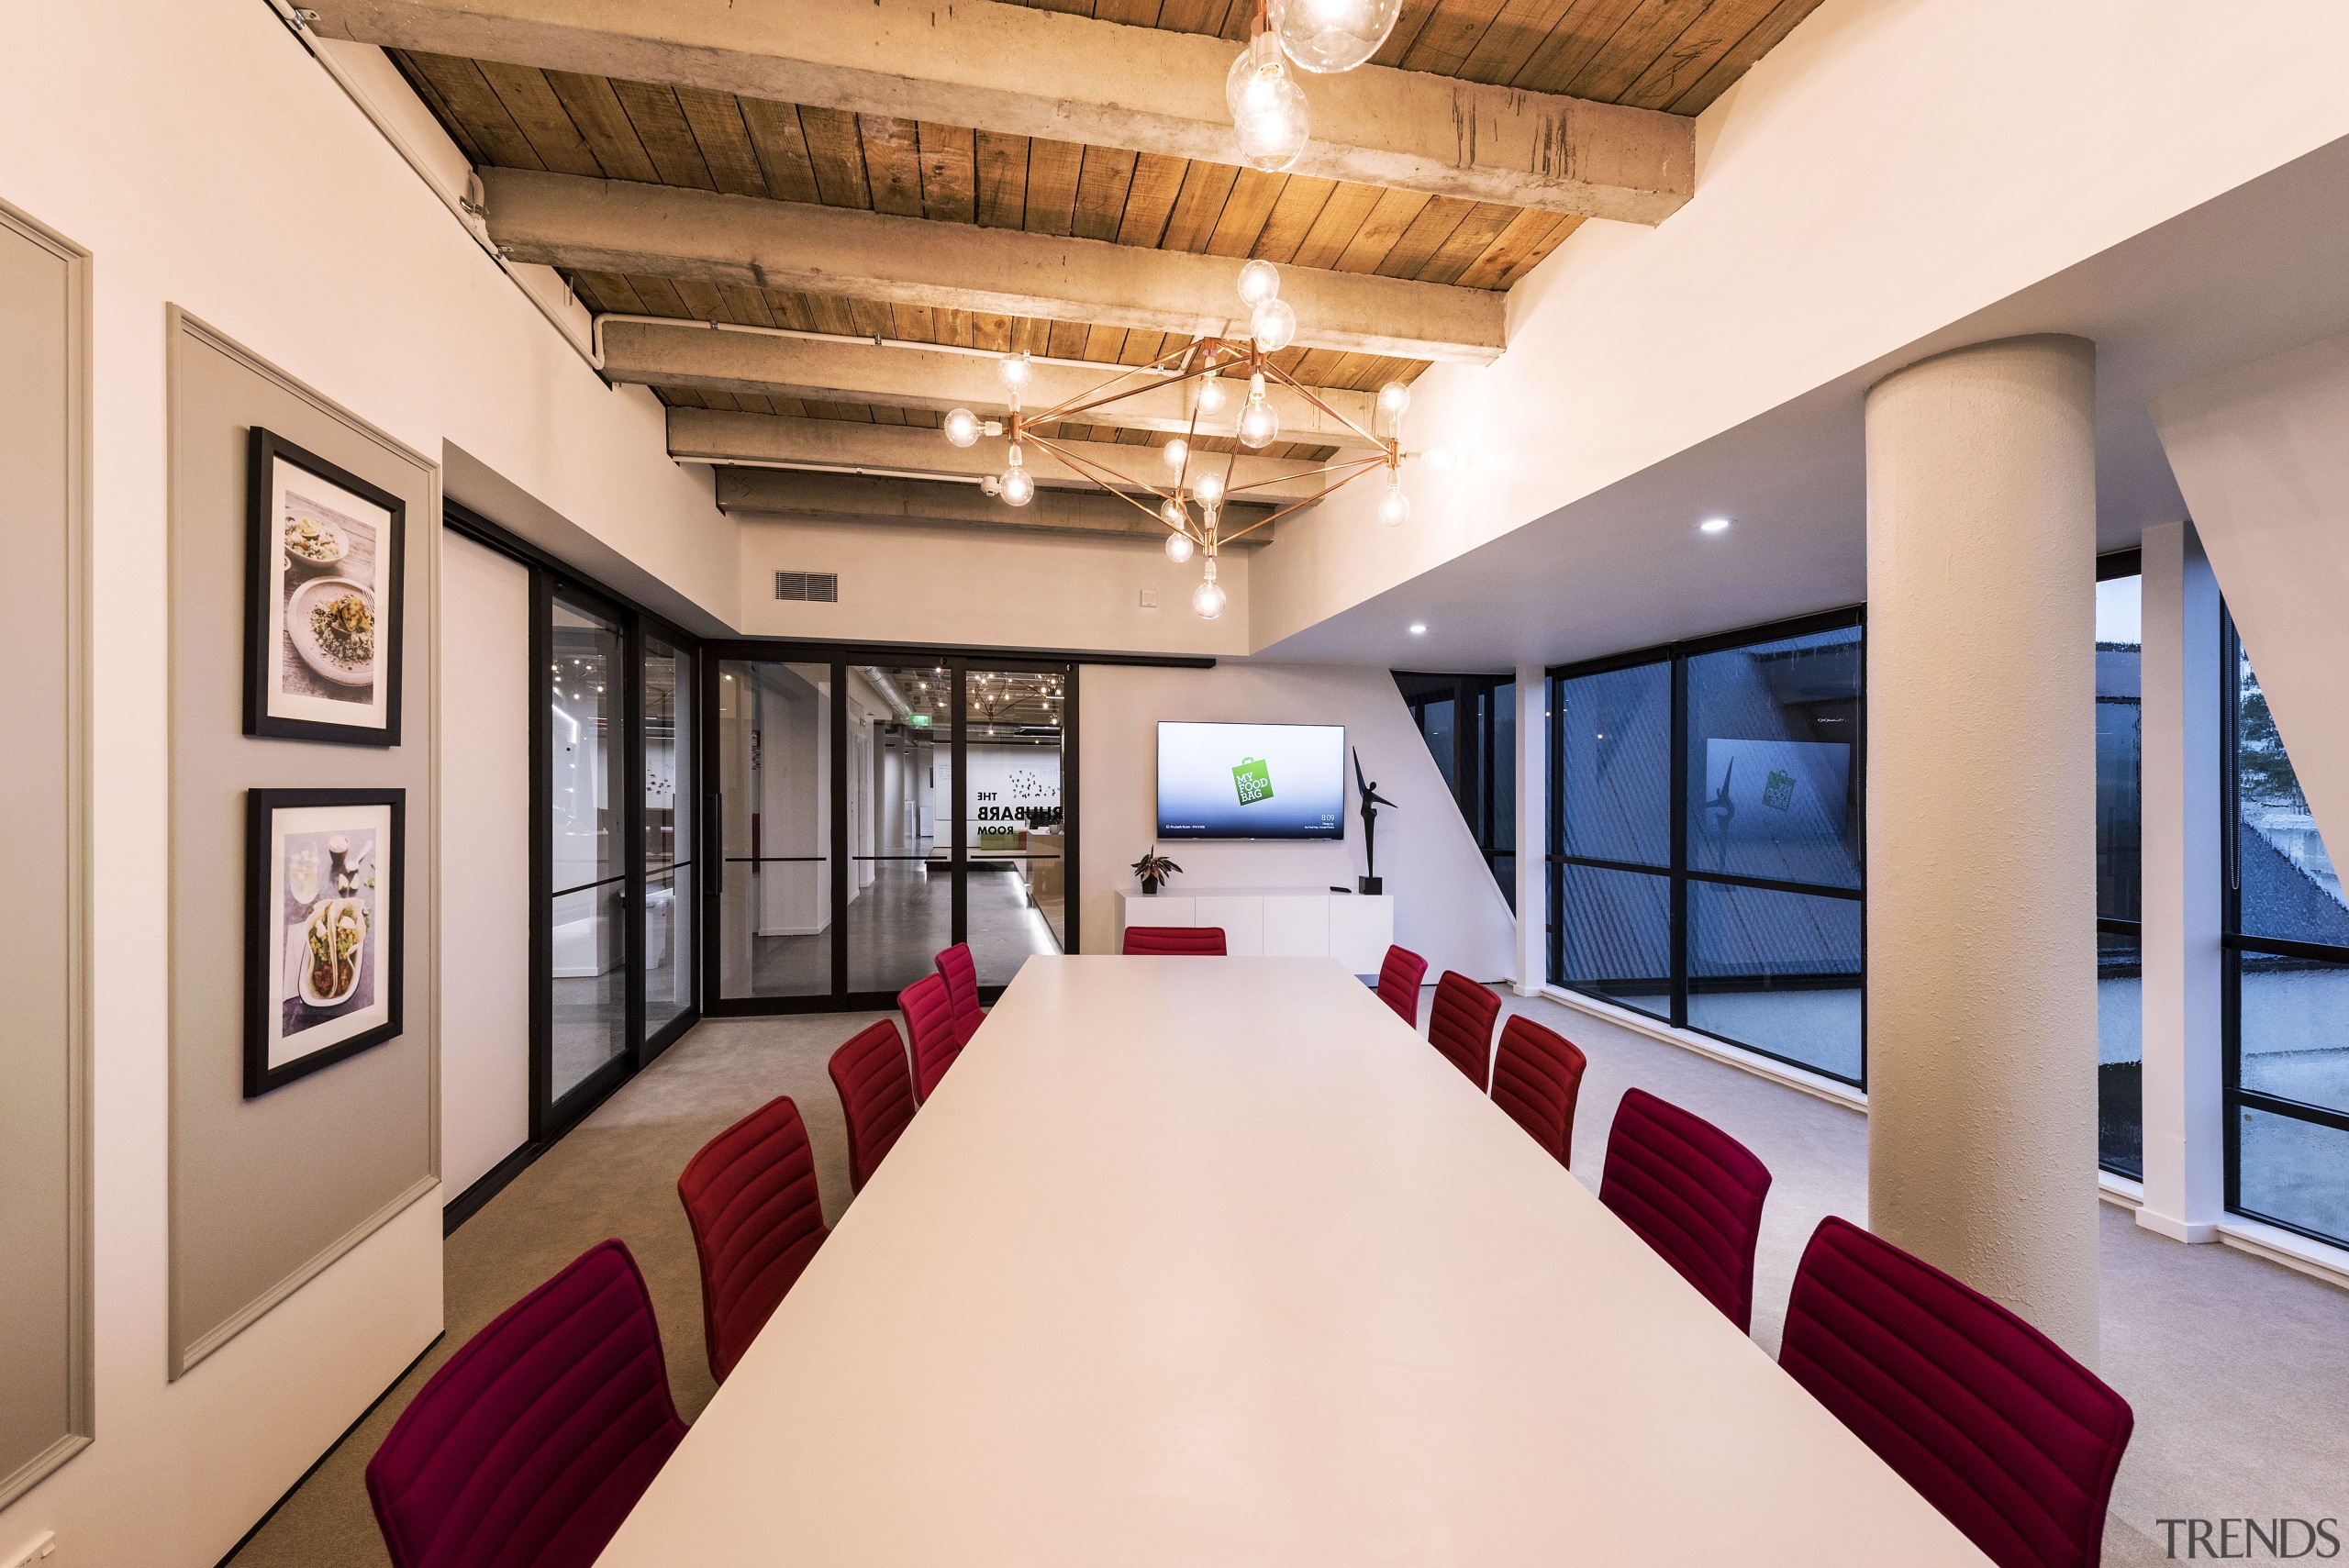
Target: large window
[(1470, 724), (1705, 837), (2287, 996), (2120, 1045)]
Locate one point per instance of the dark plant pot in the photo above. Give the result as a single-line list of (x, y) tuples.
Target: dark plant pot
[(1150, 888)]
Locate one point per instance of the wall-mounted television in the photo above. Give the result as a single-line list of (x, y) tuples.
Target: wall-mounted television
[(1251, 781)]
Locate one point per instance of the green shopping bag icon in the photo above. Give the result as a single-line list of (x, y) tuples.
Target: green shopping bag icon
[(1254, 779)]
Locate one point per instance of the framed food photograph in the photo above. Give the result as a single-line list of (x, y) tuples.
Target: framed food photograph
[(322, 599), (324, 869)]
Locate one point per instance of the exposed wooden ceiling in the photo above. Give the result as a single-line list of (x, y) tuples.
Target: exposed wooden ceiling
[(1675, 56)]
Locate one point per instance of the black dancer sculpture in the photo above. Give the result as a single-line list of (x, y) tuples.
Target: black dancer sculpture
[(1370, 801)]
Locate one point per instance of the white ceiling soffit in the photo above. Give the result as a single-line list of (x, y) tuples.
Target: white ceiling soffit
[(2255, 272)]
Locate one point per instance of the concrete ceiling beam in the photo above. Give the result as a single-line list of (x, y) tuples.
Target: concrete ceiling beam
[(859, 498), (609, 225), (1037, 72), (708, 359)]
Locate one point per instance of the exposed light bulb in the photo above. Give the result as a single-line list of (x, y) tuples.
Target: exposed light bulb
[(1178, 548), (1172, 513), (1259, 426), (1393, 398), (961, 427), (1018, 487), (1274, 124), (1395, 507), (1273, 325), (1208, 598), (1211, 395), (1259, 281), (1326, 36), (1015, 369), (1208, 487), (1177, 452), (1261, 58)]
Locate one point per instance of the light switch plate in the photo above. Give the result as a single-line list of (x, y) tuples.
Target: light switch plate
[(1150, 598)]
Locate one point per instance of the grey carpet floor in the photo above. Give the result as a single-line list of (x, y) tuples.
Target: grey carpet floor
[(2234, 1365)]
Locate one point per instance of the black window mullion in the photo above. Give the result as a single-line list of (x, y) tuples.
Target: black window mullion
[(959, 855), (1679, 788), (836, 723), (632, 943), (1553, 873)]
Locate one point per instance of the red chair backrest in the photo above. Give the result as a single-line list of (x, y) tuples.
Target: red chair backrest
[(962, 978), (876, 1095), (929, 1024), (534, 1440), (1399, 983), (1460, 1025), (1691, 1191), (1537, 1078), (757, 1220), (1204, 942), (2014, 1440)]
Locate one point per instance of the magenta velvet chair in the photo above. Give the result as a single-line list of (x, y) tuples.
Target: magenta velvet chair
[(2014, 1440), (956, 968), (532, 1442), (929, 1024), (1460, 1025), (1200, 942), (1399, 983), (1537, 1078), (1692, 1192), (757, 1218), (876, 1094)]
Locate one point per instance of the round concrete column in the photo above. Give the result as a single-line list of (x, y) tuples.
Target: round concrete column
[(1981, 826)]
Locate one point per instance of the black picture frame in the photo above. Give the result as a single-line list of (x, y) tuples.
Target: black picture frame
[(267, 572), (266, 928)]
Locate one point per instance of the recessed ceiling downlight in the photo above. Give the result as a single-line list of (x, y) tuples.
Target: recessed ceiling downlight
[(1713, 526)]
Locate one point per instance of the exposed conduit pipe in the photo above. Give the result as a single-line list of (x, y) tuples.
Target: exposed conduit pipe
[(874, 341)]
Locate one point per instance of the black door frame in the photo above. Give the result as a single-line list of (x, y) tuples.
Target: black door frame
[(836, 657)]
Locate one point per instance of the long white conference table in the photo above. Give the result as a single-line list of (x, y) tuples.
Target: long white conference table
[(1203, 1262)]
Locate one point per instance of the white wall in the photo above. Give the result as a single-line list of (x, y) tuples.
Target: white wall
[(485, 861), (1447, 906), (206, 160), (1890, 167)]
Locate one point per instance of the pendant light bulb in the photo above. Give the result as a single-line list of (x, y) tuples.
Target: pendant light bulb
[(1393, 398), (1261, 59), (1395, 507), (1211, 395), (962, 427), (1273, 325), (1177, 452), (1324, 36), (1208, 598), (1208, 488), (1259, 281), (1173, 513), (1179, 548), (1016, 487), (1274, 124), (1259, 426), (1015, 369)]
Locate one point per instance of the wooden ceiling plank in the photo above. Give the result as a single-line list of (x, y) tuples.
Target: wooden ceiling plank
[(660, 122), (596, 110), (1246, 213), (1518, 30), (951, 326), (658, 296), (991, 332), (1066, 339), (540, 116), (829, 313), (716, 121), (474, 103), (702, 300), (950, 175), (1206, 187), (1052, 169), (892, 164), (1031, 335), (1103, 181), (1540, 250), (614, 292), (1317, 368), (1104, 345), (1132, 13), (1436, 223), (1415, 17), (781, 149), (896, 417), (1765, 36), (1150, 199), (1571, 45), (873, 318), (1389, 217), (1002, 180), (406, 63), (1450, 35), (1202, 16), (1642, 40), (746, 305), (1484, 224), (790, 309), (836, 152), (1508, 248), (1144, 348), (1711, 34), (913, 323), (1334, 227), (1300, 202)]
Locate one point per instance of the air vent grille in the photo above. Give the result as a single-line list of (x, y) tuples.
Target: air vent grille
[(808, 587)]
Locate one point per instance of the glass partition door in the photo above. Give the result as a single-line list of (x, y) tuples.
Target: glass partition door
[(666, 707), (587, 969), (1014, 899)]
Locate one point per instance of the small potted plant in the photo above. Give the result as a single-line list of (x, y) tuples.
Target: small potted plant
[(1154, 869)]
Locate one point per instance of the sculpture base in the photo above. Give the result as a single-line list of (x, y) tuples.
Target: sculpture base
[(1370, 884)]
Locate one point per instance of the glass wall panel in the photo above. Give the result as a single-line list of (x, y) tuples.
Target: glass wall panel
[(900, 823), (2119, 1054), (1777, 971), (585, 756), (2119, 747), (1436, 725), (2293, 1172), (1616, 768), (1617, 937), (1015, 904), (1500, 828), (2293, 1029), (775, 794), (1773, 747), (667, 726), (2286, 883)]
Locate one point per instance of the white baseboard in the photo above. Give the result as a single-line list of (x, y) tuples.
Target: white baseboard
[(1792, 1077), (2121, 1193), (2288, 1248)]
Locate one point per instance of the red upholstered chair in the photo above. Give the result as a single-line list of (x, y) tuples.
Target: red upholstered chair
[(532, 1442), (1692, 1192), (1204, 942), (2006, 1434), (962, 978), (1537, 1078), (876, 1095), (1460, 1025), (929, 1024), (1399, 983), (757, 1220)]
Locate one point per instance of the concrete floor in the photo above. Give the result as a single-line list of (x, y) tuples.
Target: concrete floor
[(896, 925), (2234, 1365)]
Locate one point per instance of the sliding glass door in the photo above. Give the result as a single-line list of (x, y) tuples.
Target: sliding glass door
[(587, 754), (874, 809)]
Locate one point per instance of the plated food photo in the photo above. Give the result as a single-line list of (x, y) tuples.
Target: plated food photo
[(331, 623), (311, 542)]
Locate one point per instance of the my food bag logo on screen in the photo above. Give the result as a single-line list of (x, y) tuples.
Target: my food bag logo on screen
[(1252, 777)]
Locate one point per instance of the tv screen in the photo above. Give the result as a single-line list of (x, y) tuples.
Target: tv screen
[(1251, 781)]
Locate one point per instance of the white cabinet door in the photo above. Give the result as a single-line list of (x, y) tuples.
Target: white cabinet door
[(1297, 927), (1241, 915), (1360, 929)]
